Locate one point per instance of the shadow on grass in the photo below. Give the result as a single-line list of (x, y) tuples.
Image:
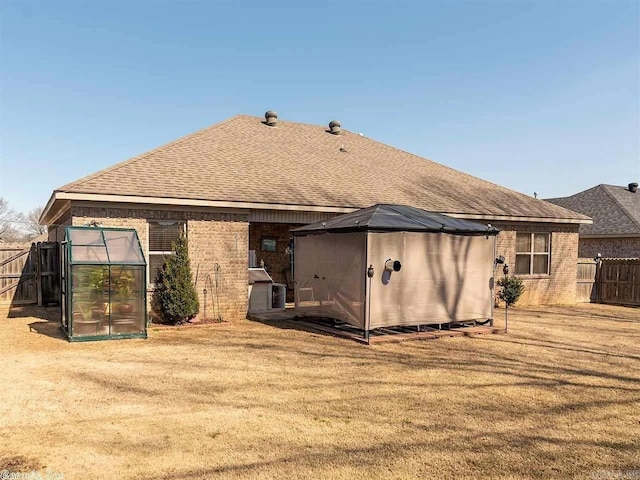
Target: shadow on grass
[(406, 399), (585, 315), (27, 311), (303, 325), (48, 328)]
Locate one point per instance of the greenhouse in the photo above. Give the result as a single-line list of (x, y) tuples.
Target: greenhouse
[(104, 279)]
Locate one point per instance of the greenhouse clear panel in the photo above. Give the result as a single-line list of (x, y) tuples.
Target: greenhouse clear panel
[(89, 253), (123, 247), (88, 236), (90, 300), (127, 299)]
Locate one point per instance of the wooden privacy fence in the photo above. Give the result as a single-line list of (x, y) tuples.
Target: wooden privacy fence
[(586, 287), (612, 280), (29, 274), (618, 281)]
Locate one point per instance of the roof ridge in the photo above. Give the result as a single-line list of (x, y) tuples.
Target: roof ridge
[(620, 205), (145, 154)]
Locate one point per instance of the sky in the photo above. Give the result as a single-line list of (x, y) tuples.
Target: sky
[(537, 96)]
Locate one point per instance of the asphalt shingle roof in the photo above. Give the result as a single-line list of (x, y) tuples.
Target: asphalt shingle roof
[(244, 160), (614, 209)]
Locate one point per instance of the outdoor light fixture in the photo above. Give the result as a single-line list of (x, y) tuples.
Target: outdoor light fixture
[(392, 265), (500, 260), (597, 258), (370, 271), (505, 269)]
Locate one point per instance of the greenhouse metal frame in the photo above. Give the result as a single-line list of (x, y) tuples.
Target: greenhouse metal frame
[(103, 284)]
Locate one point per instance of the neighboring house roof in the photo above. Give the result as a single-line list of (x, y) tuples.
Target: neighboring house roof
[(394, 218), (615, 210), (251, 165)]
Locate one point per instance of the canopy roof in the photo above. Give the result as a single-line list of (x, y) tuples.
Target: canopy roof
[(385, 217), (104, 246)]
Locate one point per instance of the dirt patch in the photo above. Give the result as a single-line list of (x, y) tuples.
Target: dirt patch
[(20, 464)]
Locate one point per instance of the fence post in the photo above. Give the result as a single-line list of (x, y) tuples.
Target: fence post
[(38, 261), (598, 283)]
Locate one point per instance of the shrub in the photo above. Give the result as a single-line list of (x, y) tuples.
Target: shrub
[(175, 295), (512, 288)]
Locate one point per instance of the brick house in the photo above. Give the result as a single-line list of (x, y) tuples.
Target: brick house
[(615, 210), (241, 185)]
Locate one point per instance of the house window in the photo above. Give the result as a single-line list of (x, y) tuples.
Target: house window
[(162, 234), (532, 253), (268, 244)]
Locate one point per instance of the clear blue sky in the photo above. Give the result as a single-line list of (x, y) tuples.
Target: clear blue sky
[(537, 96)]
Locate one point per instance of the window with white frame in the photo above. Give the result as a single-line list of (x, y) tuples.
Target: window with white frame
[(532, 253), (162, 234)]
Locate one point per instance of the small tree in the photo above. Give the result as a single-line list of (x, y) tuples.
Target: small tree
[(512, 289), (176, 294)]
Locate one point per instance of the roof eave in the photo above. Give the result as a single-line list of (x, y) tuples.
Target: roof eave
[(517, 218), (74, 196), (55, 207)]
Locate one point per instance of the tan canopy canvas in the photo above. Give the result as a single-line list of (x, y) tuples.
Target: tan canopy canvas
[(393, 265)]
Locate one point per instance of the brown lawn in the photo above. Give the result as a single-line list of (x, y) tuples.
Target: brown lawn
[(558, 397)]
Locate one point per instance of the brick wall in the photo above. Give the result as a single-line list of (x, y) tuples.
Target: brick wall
[(222, 242), (225, 238), (56, 232), (559, 287), (609, 247), (221, 238)]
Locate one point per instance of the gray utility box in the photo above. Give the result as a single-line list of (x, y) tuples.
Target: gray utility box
[(264, 294)]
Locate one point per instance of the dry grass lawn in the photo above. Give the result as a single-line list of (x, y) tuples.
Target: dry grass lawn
[(558, 397)]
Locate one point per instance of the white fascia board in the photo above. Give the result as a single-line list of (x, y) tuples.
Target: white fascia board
[(93, 197)]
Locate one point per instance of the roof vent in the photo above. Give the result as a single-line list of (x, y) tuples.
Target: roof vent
[(271, 118), (633, 187), (334, 127)]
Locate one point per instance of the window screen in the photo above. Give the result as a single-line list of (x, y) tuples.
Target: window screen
[(532, 253), (162, 234)]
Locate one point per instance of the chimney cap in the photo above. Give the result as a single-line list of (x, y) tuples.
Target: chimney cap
[(633, 187), (271, 117), (334, 127)]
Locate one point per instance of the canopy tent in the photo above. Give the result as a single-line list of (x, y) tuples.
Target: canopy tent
[(104, 278), (395, 265), (394, 218)]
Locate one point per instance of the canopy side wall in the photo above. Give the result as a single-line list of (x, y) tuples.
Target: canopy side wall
[(444, 278), (329, 276)]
